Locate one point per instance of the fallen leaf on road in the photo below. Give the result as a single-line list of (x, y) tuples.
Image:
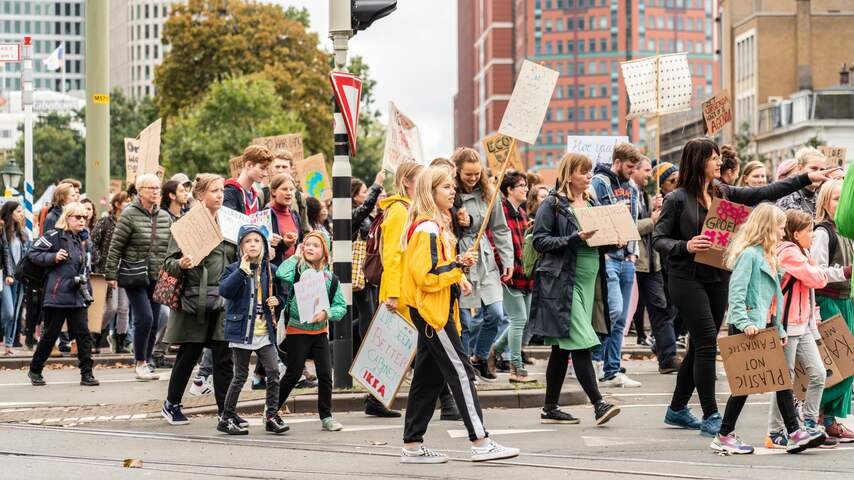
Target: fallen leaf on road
[(133, 463)]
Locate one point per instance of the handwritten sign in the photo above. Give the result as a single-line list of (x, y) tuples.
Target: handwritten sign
[(149, 149), (613, 223), (312, 296), (722, 222), (528, 103), (836, 156), (385, 355), (99, 294), (497, 147), (291, 143), (658, 85), (197, 233), (755, 365), (600, 149), (313, 177), (402, 140), (131, 159), (801, 378), (231, 220), (839, 342), (717, 111)]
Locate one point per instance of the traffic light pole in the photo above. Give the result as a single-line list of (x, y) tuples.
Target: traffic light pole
[(97, 102)]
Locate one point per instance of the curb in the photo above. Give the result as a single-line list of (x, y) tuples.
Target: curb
[(17, 363)]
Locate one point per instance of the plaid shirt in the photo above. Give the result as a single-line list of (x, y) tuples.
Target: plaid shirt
[(517, 220)]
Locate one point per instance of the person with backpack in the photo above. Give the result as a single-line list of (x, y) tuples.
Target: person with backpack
[(63, 255), (240, 193), (309, 337), (807, 160), (116, 305), (363, 202), (834, 254)]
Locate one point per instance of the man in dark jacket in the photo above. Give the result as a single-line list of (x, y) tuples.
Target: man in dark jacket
[(240, 193)]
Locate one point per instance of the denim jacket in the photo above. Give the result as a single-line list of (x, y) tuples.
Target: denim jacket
[(753, 289)]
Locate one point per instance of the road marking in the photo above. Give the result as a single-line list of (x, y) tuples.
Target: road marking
[(370, 428), (664, 394), (615, 441), (257, 422), (512, 431), (24, 404), (163, 377)]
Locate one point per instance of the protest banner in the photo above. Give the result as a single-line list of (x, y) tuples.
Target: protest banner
[(497, 147), (131, 159), (402, 140), (612, 223), (801, 378), (658, 85), (755, 365), (313, 177), (196, 233), (839, 342), (291, 143), (600, 149), (835, 155), (95, 312), (231, 220), (722, 222), (234, 166), (717, 112), (149, 149), (528, 103), (385, 355), (311, 294)]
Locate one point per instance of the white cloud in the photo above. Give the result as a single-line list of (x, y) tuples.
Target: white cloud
[(412, 54)]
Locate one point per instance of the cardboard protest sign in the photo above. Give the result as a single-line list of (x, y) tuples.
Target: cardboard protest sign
[(197, 233), (755, 365), (313, 177), (835, 155), (311, 294), (658, 85), (801, 378), (528, 103), (131, 159), (839, 342), (613, 223), (95, 312), (717, 112), (385, 355), (402, 140), (149, 149), (231, 220), (497, 148), (234, 166), (722, 222), (600, 149), (291, 143)]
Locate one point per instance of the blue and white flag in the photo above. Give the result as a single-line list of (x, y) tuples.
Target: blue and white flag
[(56, 59)]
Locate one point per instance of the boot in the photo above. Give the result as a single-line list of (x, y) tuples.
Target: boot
[(121, 341), (492, 360), (449, 407), (375, 408), (519, 375)]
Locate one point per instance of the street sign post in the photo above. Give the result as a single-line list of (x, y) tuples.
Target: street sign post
[(10, 52)]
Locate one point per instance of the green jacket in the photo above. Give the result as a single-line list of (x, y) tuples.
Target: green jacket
[(752, 289), (187, 328), (132, 239), (336, 310)]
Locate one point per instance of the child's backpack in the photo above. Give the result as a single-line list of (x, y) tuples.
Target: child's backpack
[(373, 249)]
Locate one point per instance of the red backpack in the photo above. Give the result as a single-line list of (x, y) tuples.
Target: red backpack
[(373, 248)]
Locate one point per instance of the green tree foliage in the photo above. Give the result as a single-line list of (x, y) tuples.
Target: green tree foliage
[(743, 140), (211, 40), (58, 151), (234, 111), (815, 142)]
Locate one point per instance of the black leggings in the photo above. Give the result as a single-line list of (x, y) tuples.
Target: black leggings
[(582, 362), (186, 360), (702, 306)]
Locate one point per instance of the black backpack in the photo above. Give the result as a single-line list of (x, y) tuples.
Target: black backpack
[(32, 275), (832, 240)]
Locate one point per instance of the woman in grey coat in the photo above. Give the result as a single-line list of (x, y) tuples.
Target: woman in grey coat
[(482, 313)]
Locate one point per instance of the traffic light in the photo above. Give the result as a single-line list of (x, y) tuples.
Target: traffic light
[(365, 12)]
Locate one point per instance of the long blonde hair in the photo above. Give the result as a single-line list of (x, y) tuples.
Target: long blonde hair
[(569, 164), (823, 200), (405, 173), (761, 228), (423, 204)]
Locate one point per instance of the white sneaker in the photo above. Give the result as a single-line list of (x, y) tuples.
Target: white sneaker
[(143, 373), (492, 451), (422, 455), (599, 368), (202, 386), (620, 380)]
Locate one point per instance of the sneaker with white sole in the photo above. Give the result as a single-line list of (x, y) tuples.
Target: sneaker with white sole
[(422, 455), (174, 415), (492, 451), (202, 386), (143, 373), (331, 425), (620, 380), (730, 444)]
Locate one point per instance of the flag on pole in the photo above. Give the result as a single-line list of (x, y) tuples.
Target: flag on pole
[(56, 59)]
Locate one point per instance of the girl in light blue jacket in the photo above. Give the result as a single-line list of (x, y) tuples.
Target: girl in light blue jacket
[(755, 300)]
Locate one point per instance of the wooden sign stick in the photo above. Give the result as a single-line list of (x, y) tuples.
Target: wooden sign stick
[(510, 152)]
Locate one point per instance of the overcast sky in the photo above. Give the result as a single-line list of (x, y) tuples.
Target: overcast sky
[(412, 55)]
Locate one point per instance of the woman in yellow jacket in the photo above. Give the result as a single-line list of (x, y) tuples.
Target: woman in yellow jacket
[(432, 279)]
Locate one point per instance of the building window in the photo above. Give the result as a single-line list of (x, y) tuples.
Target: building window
[(592, 45)]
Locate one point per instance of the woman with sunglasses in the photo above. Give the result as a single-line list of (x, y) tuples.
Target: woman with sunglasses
[(62, 252)]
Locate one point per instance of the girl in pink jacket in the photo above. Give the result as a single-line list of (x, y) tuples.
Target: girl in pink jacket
[(801, 277)]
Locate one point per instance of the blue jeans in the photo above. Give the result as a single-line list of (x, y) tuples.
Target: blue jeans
[(481, 330), (145, 313), (8, 313), (621, 277)]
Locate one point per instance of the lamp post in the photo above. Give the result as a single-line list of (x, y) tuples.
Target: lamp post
[(11, 174)]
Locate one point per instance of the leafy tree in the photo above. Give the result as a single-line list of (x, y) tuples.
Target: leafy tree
[(233, 112), (58, 150), (211, 40), (743, 140), (815, 141)]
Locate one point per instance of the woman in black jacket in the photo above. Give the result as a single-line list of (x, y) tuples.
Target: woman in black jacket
[(66, 294), (700, 291), (564, 289), (364, 201)]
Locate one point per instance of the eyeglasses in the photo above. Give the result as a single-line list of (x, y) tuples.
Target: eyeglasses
[(153, 189), (521, 185), (77, 217)]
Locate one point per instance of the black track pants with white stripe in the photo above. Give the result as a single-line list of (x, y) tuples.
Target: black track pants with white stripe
[(440, 358)]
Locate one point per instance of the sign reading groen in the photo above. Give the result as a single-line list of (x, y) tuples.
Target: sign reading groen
[(313, 177)]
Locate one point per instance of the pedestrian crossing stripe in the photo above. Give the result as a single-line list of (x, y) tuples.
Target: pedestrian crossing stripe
[(512, 431)]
